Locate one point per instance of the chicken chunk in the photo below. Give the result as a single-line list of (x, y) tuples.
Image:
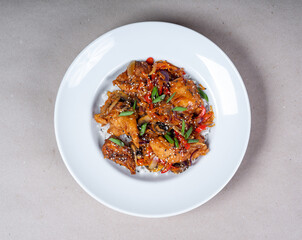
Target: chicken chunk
[(186, 94), (120, 125), (113, 99), (118, 102), (130, 80), (165, 150), (120, 155)]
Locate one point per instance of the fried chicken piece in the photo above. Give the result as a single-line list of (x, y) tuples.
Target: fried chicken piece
[(165, 150), (113, 99), (116, 103), (130, 80), (186, 94), (118, 154), (120, 125)]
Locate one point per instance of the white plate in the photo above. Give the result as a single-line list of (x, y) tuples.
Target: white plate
[(91, 74)]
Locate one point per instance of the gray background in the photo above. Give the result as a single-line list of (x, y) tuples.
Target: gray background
[(39, 198)]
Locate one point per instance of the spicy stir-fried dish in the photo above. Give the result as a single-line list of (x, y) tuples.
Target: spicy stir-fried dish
[(164, 114)]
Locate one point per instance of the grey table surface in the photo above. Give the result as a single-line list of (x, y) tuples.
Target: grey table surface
[(38, 197)]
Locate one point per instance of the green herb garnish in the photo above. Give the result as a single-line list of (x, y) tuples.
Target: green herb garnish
[(179, 109), (176, 142), (170, 98), (183, 127), (203, 94), (126, 113), (134, 105), (193, 140), (188, 133), (143, 129), (154, 93), (169, 139), (159, 99), (117, 141)]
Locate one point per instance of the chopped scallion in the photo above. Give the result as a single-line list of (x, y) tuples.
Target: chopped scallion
[(159, 99), (134, 105), (188, 133), (143, 129), (203, 94), (169, 139), (183, 127), (126, 113), (176, 142), (117, 141), (179, 109), (154, 93), (170, 98)]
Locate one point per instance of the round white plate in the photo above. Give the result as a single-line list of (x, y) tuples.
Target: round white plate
[(91, 74)]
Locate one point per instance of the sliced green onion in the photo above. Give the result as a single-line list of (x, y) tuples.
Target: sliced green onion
[(179, 109), (154, 93), (176, 142), (193, 140), (134, 105), (169, 139), (126, 113), (117, 141), (170, 98), (143, 129), (203, 94), (188, 133), (183, 127), (159, 99)]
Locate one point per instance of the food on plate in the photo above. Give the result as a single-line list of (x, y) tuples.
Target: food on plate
[(164, 114)]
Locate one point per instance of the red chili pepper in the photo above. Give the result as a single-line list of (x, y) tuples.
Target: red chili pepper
[(167, 168), (148, 98), (162, 162), (150, 60), (201, 128), (160, 89), (187, 146), (182, 140), (203, 111)]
